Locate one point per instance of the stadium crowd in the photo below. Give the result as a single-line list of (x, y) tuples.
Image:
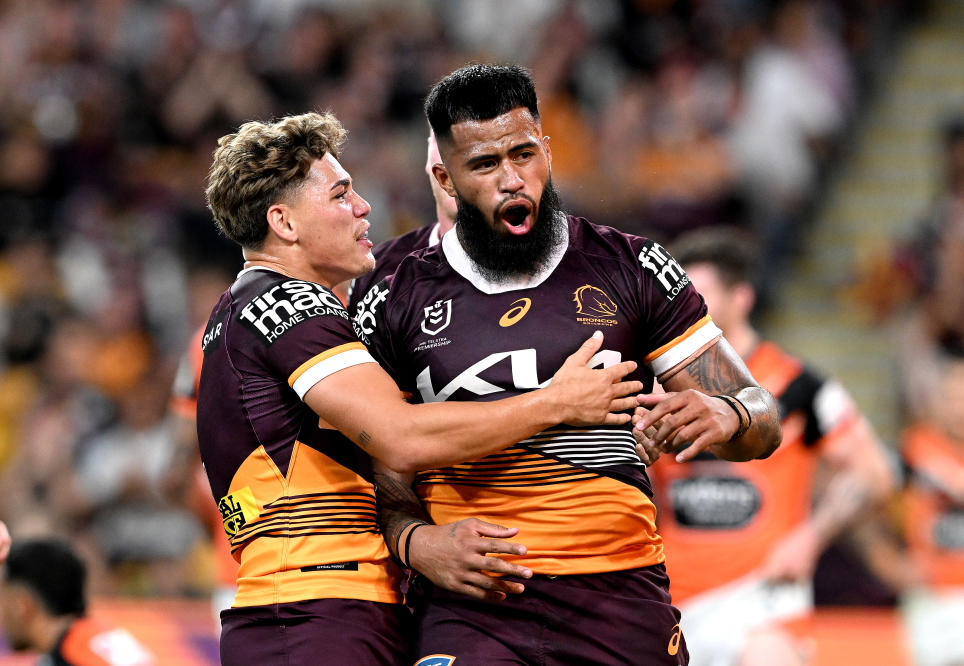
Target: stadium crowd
[(676, 115)]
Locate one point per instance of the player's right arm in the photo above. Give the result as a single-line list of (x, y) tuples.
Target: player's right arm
[(365, 404), (456, 556)]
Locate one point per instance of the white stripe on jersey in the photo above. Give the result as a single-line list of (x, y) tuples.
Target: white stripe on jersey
[(607, 447), (329, 366), (686, 348)]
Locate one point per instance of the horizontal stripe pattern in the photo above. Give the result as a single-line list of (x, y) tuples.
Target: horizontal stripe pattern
[(598, 447), (548, 458), (325, 364), (313, 514)]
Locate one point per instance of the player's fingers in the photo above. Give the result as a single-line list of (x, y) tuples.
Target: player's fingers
[(651, 399), (486, 529), (616, 419), (699, 444), (620, 370), (477, 592), (627, 388), (585, 352), (622, 404), (647, 454), (658, 408), (499, 566), (483, 581), (500, 546)]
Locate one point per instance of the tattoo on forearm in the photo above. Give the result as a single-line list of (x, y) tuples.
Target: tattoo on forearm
[(714, 376), (364, 438), (398, 506)]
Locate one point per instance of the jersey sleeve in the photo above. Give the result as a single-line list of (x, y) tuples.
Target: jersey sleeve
[(676, 325), (305, 332)]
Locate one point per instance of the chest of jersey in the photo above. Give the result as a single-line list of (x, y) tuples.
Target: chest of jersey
[(462, 344)]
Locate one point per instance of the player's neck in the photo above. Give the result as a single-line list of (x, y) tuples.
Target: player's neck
[(285, 266), (48, 632)]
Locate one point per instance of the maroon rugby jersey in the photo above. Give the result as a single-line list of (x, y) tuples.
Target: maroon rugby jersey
[(580, 496), (295, 495), (388, 255)]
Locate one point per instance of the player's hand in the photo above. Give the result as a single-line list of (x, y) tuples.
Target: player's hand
[(647, 452), (592, 397), (456, 557), (4, 542), (683, 417)]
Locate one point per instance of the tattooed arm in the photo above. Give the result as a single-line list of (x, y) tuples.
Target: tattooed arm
[(714, 404), (454, 556)]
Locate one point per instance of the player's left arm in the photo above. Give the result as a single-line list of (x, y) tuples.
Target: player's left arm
[(860, 480), (455, 556), (713, 404)]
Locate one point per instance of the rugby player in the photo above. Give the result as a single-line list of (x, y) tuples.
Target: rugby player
[(291, 404), (485, 314), (742, 565)]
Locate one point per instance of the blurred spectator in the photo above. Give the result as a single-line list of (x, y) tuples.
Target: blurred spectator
[(4, 542), (111, 109), (767, 518), (919, 284), (44, 609), (791, 109), (933, 451)]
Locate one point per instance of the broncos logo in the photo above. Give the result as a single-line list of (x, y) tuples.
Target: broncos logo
[(594, 301)]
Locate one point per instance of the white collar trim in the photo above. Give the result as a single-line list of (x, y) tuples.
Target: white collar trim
[(464, 266), (433, 238)]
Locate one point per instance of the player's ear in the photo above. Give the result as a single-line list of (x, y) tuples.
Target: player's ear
[(442, 177), (545, 144), (281, 223)]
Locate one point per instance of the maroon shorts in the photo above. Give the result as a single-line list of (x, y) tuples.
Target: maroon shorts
[(322, 631), (623, 617)]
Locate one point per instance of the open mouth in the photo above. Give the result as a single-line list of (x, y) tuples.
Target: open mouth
[(517, 218)]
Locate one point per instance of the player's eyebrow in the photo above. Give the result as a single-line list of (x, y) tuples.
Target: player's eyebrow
[(475, 159), (344, 182)]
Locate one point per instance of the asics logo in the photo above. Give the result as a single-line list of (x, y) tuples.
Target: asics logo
[(515, 313)]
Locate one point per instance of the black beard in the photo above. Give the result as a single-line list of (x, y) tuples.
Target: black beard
[(501, 256)]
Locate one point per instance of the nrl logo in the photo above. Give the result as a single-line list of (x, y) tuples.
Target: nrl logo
[(437, 317)]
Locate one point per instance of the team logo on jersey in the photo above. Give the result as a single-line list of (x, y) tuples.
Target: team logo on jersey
[(285, 305), (437, 317), (595, 306), (436, 660), (237, 510), (669, 275), (515, 313)]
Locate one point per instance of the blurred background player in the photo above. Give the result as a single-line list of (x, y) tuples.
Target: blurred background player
[(742, 541), (44, 604), (390, 253), (4, 542), (933, 516), (187, 471)]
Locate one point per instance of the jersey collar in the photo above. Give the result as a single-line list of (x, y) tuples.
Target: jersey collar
[(464, 266)]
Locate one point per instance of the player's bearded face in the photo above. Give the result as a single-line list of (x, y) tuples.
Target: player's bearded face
[(500, 255)]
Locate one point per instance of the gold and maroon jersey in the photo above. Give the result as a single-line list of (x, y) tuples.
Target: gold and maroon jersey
[(295, 496), (934, 511), (579, 495), (719, 519)]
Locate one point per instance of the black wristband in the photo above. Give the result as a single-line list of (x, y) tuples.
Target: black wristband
[(408, 544), (398, 539), (744, 425)]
